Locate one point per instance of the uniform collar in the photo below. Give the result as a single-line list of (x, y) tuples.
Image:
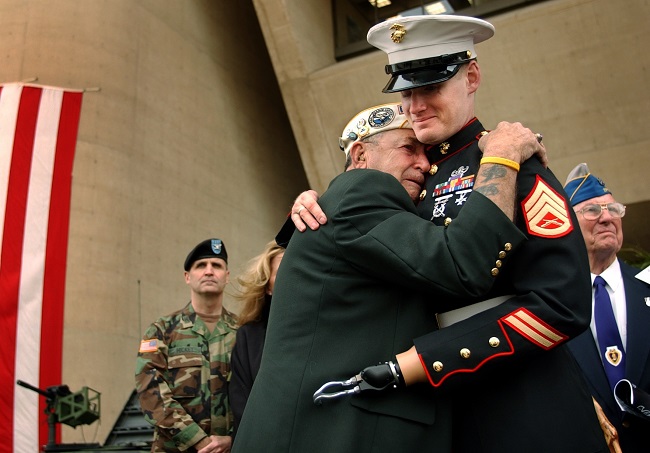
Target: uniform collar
[(613, 276), (469, 134), (227, 322)]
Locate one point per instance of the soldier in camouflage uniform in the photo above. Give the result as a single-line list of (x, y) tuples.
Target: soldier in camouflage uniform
[(183, 364)]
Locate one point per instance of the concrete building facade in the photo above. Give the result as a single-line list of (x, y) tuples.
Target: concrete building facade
[(212, 115)]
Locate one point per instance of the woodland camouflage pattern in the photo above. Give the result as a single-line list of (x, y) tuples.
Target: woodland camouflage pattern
[(182, 376)]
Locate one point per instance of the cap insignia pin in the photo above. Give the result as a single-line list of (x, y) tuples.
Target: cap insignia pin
[(215, 244), (444, 147), (398, 34), (363, 131)]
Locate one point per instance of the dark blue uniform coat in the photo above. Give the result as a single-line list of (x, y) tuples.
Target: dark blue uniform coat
[(634, 435), (516, 386)]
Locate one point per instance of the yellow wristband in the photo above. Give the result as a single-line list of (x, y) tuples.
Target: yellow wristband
[(501, 161)]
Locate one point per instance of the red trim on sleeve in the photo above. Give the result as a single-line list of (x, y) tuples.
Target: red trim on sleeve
[(469, 370)]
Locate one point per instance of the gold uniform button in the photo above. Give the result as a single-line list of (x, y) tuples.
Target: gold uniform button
[(494, 342), (423, 194), (464, 353), (498, 263), (507, 246), (494, 272), (447, 221), (433, 170), (502, 254), (437, 366)]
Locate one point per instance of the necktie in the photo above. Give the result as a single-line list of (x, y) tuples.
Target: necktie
[(609, 340)]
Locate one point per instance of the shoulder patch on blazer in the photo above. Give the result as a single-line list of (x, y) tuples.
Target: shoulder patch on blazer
[(534, 329), (546, 212)]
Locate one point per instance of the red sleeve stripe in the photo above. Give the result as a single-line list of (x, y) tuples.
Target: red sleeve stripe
[(534, 329)]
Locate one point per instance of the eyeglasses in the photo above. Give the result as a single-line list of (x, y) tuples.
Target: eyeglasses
[(594, 211)]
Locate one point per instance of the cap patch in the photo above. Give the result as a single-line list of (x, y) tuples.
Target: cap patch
[(381, 117), (546, 212), (534, 329), (216, 246)]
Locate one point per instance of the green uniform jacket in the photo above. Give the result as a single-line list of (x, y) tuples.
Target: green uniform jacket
[(181, 377), (355, 293)]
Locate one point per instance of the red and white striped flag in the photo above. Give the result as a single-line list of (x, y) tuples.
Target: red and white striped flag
[(38, 134)]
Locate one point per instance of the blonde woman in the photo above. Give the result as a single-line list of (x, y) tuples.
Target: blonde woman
[(256, 289)]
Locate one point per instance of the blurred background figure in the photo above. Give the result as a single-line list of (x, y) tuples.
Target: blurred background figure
[(618, 344), (256, 288)]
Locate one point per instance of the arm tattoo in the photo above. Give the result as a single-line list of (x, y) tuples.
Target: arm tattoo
[(488, 190), (492, 173)]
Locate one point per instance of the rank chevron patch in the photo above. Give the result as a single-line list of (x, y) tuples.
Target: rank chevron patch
[(546, 212), (534, 329)]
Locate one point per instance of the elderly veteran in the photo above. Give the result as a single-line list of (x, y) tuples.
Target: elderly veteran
[(183, 364), (505, 359), (359, 289), (617, 346)]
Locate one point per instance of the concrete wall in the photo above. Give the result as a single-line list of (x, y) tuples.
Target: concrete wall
[(573, 70), (187, 139)]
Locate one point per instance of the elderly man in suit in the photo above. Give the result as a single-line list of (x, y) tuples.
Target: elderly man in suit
[(618, 344)]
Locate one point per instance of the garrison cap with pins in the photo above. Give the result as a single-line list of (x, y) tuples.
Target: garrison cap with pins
[(424, 50), (371, 121), (581, 185), (210, 248)]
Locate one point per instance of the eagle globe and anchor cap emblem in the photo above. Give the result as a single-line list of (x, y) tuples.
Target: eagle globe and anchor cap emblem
[(398, 32)]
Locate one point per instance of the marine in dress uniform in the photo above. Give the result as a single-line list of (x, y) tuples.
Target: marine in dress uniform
[(516, 387), (358, 290), (630, 296)]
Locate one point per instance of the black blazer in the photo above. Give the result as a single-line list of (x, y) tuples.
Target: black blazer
[(634, 436), (245, 363)]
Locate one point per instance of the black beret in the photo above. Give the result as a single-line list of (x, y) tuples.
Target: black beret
[(210, 248)]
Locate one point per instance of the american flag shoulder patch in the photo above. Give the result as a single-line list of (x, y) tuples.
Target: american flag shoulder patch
[(534, 329), (149, 345), (546, 212)]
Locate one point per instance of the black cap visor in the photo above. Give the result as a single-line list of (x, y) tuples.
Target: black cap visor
[(429, 76), (425, 71)]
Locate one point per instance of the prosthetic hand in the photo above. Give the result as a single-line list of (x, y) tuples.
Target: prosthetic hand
[(377, 377)]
